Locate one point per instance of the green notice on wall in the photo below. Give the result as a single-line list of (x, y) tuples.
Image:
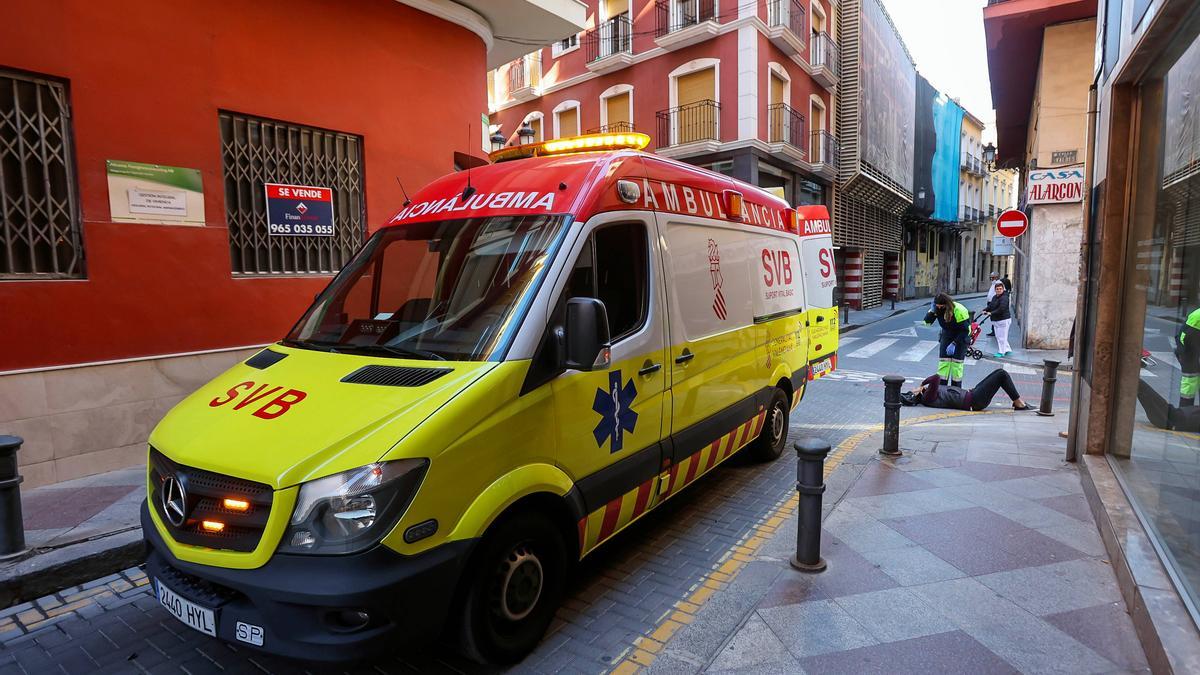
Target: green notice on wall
[(154, 193)]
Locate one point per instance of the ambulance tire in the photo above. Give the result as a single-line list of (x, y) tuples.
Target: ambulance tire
[(773, 437), (514, 586)]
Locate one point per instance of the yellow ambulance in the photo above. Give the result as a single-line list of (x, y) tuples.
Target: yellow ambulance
[(521, 363)]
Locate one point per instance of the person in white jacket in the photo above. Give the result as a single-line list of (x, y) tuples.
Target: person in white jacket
[(992, 279)]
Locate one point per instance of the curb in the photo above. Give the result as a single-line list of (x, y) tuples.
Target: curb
[(51, 571), (846, 328), (1063, 367)]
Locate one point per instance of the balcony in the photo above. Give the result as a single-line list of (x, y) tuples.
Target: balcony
[(787, 26), (525, 77), (682, 23), (689, 129), (614, 128), (823, 154), (609, 46), (823, 60), (785, 132)]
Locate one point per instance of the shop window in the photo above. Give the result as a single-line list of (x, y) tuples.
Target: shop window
[(39, 209), (255, 151), (1154, 444)]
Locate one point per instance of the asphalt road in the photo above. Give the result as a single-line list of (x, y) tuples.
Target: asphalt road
[(619, 594)]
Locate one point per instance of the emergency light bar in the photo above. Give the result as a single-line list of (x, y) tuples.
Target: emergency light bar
[(587, 143)]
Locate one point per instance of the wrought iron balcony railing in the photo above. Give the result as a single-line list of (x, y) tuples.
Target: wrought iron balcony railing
[(614, 128), (785, 125), (823, 52), (676, 15), (824, 149), (789, 14), (688, 123), (525, 72), (611, 37)]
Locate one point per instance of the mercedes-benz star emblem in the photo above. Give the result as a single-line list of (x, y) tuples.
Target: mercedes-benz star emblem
[(174, 501)]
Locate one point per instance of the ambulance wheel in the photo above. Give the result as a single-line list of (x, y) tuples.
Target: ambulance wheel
[(515, 584), (769, 444)]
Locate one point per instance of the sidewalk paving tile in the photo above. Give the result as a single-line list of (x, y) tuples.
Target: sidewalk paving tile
[(1058, 587), (753, 645), (909, 503), (1028, 488), (881, 479), (1034, 646), (1082, 537), (862, 532), (894, 614), (995, 472), (1107, 630), (913, 565), (945, 477), (968, 603), (978, 541), (816, 627), (952, 652), (1073, 505)]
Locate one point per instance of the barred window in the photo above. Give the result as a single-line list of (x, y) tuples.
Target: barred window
[(39, 212), (255, 151)]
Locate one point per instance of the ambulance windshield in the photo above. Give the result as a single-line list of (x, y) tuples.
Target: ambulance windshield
[(445, 290)]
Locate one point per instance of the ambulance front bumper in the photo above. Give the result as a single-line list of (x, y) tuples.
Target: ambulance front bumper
[(310, 607)]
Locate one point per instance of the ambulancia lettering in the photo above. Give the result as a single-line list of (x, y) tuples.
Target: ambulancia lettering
[(479, 202), (248, 393), (817, 227)]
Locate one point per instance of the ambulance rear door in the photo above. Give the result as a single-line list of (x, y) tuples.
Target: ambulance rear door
[(819, 281)]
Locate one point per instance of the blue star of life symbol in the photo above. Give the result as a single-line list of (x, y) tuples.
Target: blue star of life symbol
[(615, 407)]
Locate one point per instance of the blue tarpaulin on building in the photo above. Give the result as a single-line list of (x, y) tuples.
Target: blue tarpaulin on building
[(947, 124)]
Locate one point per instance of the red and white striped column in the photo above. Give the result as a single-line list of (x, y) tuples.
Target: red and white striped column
[(1175, 283), (891, 276), (852, 278)]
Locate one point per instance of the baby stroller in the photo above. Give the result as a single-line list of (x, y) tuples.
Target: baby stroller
[(976, 331)]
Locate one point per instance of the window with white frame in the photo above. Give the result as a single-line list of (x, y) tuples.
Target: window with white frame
[(567, 44), (566, 119)]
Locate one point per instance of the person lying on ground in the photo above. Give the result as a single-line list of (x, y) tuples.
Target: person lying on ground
[(934, 394), (1164, 415)]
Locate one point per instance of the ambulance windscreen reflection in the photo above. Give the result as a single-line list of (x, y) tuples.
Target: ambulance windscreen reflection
[(446, 290)]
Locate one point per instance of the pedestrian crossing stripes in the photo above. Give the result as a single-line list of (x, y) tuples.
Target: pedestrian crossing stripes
[(903, 350), (872, 349), (918, 351)]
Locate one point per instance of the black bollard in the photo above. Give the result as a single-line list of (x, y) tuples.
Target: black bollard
[(891, 415), (810, 483), (12, 530), (1049, 377)]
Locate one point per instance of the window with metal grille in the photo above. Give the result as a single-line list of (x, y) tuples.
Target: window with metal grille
[(39, 213), (255, 151)]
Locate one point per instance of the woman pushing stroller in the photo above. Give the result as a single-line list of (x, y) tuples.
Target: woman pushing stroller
[(955, 320)]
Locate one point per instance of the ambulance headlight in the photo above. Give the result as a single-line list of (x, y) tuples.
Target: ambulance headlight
[(350, 511)]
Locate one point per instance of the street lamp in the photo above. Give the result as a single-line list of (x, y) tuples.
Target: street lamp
[(989, 157), (525, 133), (497, 140)]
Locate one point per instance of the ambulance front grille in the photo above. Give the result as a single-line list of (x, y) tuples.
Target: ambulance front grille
[(395, 376), (205, 493)]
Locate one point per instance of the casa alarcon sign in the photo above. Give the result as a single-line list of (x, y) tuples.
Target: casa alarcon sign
[(1055, 186), (299, 210)]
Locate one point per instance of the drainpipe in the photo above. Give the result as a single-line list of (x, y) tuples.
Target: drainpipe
[(1072, 454)]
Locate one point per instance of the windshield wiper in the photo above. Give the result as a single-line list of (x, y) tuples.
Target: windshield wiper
[(315, 345), (403, 352)]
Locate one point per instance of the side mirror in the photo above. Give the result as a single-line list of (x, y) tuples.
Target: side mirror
[(587, 339)]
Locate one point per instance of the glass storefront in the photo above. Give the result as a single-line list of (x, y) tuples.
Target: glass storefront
[(1155, 440)]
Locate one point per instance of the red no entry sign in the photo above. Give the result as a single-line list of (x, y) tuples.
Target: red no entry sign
[(1012, 223)]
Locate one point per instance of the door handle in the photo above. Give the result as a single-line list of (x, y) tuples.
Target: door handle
[(820, 319), (686, 356), (649, 368)]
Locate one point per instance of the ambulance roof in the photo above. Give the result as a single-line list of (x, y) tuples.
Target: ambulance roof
[(584, 184)]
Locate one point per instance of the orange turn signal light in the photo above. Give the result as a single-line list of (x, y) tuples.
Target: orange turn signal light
[(733, 204), (237, 504), (212, 525)]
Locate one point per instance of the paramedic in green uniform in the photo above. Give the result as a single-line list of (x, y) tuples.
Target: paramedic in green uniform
[(1188, 353), (955, 320)]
